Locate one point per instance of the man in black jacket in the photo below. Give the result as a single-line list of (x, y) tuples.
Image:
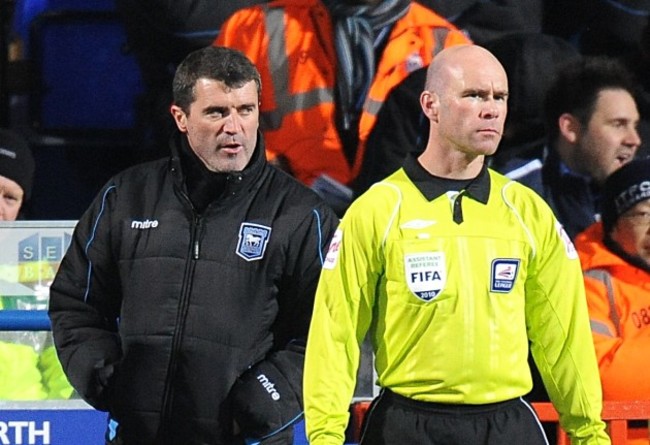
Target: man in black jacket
[(183, 303)]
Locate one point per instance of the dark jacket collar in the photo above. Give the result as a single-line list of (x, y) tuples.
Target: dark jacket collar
[(573, 197), (210, 186)]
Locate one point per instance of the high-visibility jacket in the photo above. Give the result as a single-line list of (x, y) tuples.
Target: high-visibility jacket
[(618, 298), (292, 44), (29, 367)]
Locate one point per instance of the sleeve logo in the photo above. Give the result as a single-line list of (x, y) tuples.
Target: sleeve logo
[(569, 248), (333, 252), (504, 273)]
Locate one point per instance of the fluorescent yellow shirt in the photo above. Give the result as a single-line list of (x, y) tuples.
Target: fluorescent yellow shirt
[(451, 306), (29, 366)]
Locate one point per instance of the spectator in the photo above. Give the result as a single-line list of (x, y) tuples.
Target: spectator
[(452, 269), (531, 62), (183, 303), (615, 256), (16, 174), (316, 119), (30, 369), (591, 121)]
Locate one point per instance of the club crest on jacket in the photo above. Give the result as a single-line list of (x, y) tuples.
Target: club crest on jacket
[(253, 239)]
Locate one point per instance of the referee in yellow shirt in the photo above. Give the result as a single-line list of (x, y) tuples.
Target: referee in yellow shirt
[(453, 270)]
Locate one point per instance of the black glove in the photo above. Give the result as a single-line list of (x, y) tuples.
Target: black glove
[(267, 398), (103, 377)]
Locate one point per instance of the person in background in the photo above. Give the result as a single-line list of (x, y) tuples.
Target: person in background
[(182, 304), (16, 174), (591, 120), (453, 270), (615, 257), (327, 67), (29, 367)]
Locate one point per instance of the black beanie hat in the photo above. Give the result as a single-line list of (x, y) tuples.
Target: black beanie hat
[(623, 189), (16, 161)]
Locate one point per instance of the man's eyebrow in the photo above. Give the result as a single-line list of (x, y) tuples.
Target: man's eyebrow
[(212, 109), (486, 91)]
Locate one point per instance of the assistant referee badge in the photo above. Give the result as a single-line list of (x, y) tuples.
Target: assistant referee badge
[(426, 274)]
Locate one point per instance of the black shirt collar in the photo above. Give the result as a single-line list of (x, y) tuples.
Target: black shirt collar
[(433, 186)]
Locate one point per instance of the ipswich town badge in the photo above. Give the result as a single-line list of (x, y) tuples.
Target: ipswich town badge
[(426, 274), (253, 239)]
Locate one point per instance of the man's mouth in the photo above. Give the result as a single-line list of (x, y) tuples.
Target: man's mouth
[(624, 158)]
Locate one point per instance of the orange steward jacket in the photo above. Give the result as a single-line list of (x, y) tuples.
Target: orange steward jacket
[(292, 44), (618, 297)]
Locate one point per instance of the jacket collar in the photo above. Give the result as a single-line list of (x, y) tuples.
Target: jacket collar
[(235, 181), (599, 251), (574, 198)]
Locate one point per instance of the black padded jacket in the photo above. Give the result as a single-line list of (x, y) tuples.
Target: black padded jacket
[(157, 311)]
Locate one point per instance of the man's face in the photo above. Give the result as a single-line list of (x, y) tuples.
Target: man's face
[(632, 231), (610, 138), (221, 124), (11, 199), (473, 109)]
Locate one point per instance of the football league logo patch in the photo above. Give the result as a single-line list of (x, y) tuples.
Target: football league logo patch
[(253, 239), (504, 274), (426, 274)]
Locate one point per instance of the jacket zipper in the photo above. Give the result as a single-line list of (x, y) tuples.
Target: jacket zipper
[(168, 395)]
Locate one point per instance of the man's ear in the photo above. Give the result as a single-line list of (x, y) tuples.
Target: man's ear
[(430, 103), (570, 127), (179, 117)]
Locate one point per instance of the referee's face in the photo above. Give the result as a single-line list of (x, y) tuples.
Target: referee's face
[(473, 103)]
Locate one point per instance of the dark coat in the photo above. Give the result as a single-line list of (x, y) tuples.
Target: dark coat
[(157, 310)]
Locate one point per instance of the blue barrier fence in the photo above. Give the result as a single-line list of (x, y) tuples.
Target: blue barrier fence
[(18, 320)]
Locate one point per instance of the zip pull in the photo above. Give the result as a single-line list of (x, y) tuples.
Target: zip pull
[(196, 249)]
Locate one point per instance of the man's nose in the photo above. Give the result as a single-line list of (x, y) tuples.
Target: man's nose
[(232, 124)]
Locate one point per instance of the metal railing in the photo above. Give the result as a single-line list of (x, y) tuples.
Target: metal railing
[(24, 320)]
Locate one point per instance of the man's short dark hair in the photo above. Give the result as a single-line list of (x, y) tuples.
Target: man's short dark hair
[(226, 65), (577, 86)]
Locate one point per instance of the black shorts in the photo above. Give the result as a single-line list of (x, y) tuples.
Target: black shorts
[(396, 420)]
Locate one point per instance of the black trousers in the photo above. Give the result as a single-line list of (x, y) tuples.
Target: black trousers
[(396, 420)]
